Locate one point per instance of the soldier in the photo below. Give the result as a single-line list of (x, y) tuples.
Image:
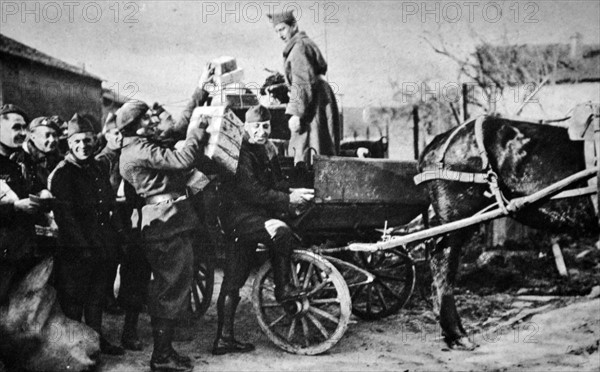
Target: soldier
[(168, 223), (85, 202), (114, 142), (17, 211), (135, 271), (255, 201), (40, 155), (314, 117)]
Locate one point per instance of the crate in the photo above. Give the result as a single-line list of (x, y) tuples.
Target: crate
[(226, 133)]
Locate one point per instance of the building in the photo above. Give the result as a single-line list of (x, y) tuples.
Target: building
[(43, 85)]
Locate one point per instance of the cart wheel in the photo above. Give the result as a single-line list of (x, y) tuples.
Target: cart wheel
[(202, 288), (313, 324), (394, 283)]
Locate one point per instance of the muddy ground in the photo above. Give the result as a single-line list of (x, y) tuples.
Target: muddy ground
[(516, 307)]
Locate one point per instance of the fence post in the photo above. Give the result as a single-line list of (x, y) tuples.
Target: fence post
[(415, 115), (465, 95)]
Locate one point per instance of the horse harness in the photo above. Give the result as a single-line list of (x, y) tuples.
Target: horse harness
[(488, 176)]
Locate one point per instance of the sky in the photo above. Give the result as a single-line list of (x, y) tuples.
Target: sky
[(156, 50)]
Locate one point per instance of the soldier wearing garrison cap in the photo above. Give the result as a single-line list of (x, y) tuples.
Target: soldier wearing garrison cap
[(256, 201), (314, 118), (168, 221), (86, 232)]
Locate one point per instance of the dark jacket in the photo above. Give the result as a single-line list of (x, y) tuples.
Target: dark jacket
[(257, 190), (37, 167), (85, 202), (17, 230), (311, 99)]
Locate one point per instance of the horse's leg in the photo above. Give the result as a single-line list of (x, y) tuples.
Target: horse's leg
[(444, 265)]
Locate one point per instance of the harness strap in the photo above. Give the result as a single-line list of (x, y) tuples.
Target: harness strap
[(490, 177), (430, 174)]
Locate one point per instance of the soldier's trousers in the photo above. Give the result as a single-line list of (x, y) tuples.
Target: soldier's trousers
[(171, 261), (240, 255)]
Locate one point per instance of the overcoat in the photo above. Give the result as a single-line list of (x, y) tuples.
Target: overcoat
[(311, 99)]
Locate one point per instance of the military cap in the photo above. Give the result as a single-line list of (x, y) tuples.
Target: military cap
[(130, 112), (257, 114), (44, 121), (79, 124), (283, 16), (9, 108)]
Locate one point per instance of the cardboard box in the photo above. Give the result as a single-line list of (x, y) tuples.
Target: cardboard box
[(226, 71), (226, 132)]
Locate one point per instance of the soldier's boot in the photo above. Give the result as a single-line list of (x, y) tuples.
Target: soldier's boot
[(284, 291), (93, 318), (164, 357), (225, 341), (129, 337)]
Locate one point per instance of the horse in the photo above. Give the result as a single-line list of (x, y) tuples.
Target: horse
[(521, 158)]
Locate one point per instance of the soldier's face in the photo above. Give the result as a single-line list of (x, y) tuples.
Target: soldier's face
[(12, 130), (114, 137), (259, 132), (285, 31), (44, 139), (82, 145)]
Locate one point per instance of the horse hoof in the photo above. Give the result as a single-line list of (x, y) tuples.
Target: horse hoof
[(462, 343)]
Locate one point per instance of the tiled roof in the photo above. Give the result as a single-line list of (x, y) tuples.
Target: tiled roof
[(17, 49)]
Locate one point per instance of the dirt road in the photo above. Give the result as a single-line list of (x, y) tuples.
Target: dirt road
[(563, 336)]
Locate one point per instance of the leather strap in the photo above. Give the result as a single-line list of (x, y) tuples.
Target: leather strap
[(430, 174)]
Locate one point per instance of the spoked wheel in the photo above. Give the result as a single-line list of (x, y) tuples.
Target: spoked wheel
[(202, 287), (394, 283), (312, 324)]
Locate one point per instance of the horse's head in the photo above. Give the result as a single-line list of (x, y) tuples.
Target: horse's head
[(275, 86)]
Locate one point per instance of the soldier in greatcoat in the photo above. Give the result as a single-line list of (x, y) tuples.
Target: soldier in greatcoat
[(314, 118)]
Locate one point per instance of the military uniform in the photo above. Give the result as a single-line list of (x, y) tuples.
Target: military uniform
[(17, 230), (255, 202), (85, 202), (311, 99), (37, 166), (168, 219)]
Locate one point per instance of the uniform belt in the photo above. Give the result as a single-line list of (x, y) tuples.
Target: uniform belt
[(154, 199)]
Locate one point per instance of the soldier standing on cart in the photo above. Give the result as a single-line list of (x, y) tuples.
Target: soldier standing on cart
[(255, 200), (168, 223), (314, 119)]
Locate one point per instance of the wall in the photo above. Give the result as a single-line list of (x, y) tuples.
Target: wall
[(42, 91)]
